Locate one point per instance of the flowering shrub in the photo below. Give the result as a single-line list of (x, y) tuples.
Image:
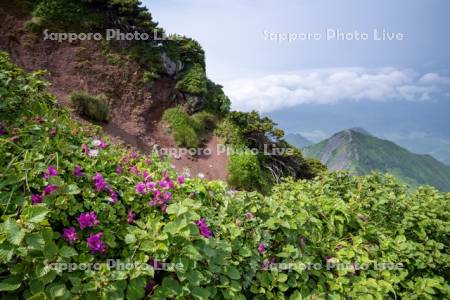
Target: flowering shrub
[(62, 206)]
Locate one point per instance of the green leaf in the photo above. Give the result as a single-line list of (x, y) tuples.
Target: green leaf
[(170, 287), (35, 241), (35, 213), (233, 273), (10, 284), (200, 293), (14, 233), (72, 189), (67, 251), (136, 288), (296, 296)]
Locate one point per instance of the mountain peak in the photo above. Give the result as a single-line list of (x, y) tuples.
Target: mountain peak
[(359, 130), (363, 153)]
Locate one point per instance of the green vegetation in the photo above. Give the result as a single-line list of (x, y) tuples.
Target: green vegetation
[(94, 107), (63, 14), (276, 158), (193, 81), (243, 252), (188, 131), (361, 153), (245, 172)]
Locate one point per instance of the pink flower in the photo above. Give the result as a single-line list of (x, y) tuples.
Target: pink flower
[(146, 176), (88, 219), (203, 227), (262, 248), (131, 216), (163, 184), (113, 195), (134, 170), (119, 169), (53, 132), (85, 149), (148, 161), (150, 185), (35, 199), (140, 188), (180, 180), (51, 171), (49, 189), (95, 243), (39, 120), (77, 172), (70, 234), (133, 155), (100, 184), (102, 144), (167, 196), (249, 215)]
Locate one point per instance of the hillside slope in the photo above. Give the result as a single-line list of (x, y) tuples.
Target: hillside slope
[(83, 218), (362, 153), (298, 140)]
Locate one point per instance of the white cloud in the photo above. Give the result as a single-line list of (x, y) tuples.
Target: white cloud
[(329, 86)]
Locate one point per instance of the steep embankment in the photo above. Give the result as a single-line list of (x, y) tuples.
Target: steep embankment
[(136, 106), (361, 153)]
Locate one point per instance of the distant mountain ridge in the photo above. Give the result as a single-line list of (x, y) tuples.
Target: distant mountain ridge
[(360, 152), (297, 140)]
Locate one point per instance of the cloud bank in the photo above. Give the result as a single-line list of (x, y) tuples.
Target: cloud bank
[(330, 86)]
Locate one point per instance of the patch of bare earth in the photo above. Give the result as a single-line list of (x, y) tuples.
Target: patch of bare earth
[(136, 107)]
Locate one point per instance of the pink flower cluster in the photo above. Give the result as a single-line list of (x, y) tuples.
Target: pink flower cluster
[(101, 185), (88, 219), (48, 189), (94, 241), (204, 229), (51, 171), (70, 234)]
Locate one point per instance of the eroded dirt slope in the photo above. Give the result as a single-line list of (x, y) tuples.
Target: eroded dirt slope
[(136, 107)]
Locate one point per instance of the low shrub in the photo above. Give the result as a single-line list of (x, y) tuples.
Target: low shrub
[(193, 81), (64, 14), (94, 107), (244, 172), (184, 129), (206, 119)]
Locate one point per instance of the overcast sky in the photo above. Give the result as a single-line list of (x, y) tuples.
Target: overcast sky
[(394, 88)]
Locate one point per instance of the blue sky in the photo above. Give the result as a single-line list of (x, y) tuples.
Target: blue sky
[(397, 89)]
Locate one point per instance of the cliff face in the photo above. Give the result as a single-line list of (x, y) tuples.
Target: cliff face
[(85, 66)]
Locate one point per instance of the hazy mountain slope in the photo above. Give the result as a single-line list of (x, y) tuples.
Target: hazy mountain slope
[(297, 140), (362, 153)]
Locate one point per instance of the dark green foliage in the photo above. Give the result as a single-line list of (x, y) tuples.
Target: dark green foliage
[(186, 50), (94, 107), (64, 14), (193, 81), (217, 100), (206, 119), (185, 130), (148, 58), (249, 130), (244, 172), (316, 166)]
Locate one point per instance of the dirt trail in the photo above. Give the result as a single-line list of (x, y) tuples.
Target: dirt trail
[(136, 107)]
